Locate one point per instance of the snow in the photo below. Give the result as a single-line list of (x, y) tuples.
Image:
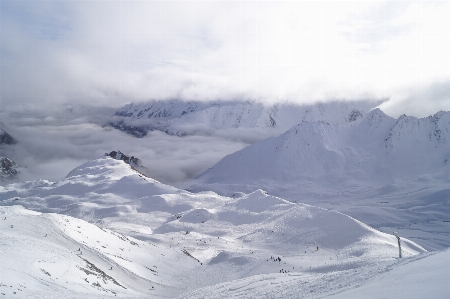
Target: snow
[(394, 174), (308, 214), (378, 149), (192, 240), (425, 276), (56, 255)]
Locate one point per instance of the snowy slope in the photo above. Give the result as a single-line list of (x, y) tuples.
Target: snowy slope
[(423, 278), (420, 277), (51, 255), (392, 174), (187, 118), (194, 240), (377, 148)]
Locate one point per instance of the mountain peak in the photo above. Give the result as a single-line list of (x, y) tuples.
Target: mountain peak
[(5, 138)]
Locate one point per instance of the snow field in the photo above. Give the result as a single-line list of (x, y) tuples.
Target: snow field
[(185, 241)]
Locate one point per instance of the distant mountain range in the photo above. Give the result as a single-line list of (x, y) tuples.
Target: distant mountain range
[(374, 148), (190, 118)]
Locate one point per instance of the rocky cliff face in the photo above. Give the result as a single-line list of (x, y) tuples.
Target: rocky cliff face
[(8, 169)]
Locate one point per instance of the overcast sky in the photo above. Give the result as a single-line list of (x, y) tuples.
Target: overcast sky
[(55, 53), (63, 56)]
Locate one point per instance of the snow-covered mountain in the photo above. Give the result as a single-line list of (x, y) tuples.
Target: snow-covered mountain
[(378, 148), (187, 118), (393, 173), (147, 239)]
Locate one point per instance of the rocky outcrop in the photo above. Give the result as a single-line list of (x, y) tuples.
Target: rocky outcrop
[(133, 161), (5, 138), (8, 169)]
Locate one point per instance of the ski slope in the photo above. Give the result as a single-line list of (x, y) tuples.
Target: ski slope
[(135, 237), (424, 276)]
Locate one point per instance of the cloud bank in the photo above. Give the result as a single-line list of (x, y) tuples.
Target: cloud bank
[(111, 53), (63, 62), (49, 147)]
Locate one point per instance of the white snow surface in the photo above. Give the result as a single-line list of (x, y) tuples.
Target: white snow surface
[(425, 276), (108, 231)]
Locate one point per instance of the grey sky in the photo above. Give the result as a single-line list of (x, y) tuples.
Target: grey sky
[(115, 52)]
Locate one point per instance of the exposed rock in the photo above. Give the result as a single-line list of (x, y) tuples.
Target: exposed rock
[(5, 138), (8, 169), (127, 159)]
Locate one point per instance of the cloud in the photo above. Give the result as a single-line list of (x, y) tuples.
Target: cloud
[(110, 53), (50, 147), (66, 65), (420, 101)]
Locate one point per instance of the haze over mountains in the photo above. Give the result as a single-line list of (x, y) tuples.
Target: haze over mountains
[(190, 118), (308, 212), (224, 149)]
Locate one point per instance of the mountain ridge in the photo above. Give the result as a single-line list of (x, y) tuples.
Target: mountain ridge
[(318, 149), (190, 118)]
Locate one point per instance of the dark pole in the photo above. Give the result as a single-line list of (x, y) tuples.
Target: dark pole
[(399, 246)]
